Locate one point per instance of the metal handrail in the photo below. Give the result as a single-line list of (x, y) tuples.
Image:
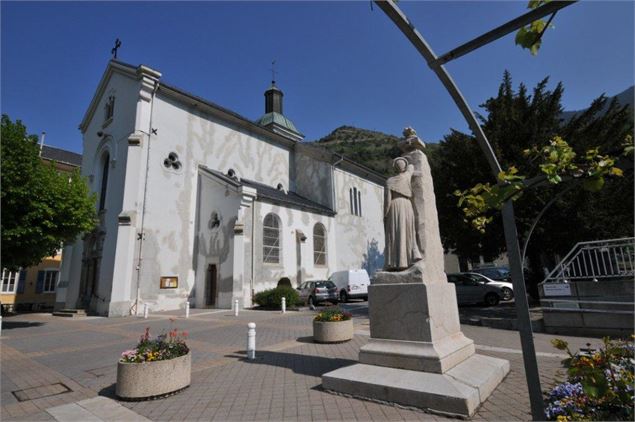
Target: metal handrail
[(596, 260)]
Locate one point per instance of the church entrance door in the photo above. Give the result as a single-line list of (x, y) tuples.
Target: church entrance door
[(211, 289)]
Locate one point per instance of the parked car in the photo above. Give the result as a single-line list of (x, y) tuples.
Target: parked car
[(494, 273), (476, 288), (317, 291), (351, 284)]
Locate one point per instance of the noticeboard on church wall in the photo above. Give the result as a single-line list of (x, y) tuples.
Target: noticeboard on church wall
[(171, 282)]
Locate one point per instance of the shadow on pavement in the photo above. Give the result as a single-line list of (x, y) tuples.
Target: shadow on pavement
[(108, 391), (314, 366), (8, 324)]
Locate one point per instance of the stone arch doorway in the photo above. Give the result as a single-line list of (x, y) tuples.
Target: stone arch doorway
[(91, 263)]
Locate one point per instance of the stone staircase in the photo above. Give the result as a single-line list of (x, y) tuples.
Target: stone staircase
[(70, 313)]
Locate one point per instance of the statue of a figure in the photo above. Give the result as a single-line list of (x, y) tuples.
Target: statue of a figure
[(399, 219)]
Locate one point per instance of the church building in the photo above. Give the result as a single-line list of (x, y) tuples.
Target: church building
[(198, 203)]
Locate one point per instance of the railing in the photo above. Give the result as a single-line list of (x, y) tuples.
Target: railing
[(595, 261)]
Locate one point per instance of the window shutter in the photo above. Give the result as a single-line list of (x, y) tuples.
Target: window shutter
[(21, 281), (40, 282)]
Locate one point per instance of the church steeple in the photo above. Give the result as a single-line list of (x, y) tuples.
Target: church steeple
[(273, 118), (273, 99)]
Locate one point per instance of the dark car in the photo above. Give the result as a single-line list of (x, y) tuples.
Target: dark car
[(314, 292)]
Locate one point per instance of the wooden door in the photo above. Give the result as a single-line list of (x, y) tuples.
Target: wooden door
[(212, 285)]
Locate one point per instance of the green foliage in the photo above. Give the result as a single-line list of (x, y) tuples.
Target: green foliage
[(41, 207), (556, 160), (599, 385), (516, 121), (272, 298), (530, 36), (333, 315)]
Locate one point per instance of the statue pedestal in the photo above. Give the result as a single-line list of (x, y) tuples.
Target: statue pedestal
[(417, 354)]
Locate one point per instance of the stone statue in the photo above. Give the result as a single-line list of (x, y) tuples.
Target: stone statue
[(424, 254), (417, 354), (399, 219)]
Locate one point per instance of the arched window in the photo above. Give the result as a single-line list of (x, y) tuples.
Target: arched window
[(319, 244), (271, 239), (104, 181)]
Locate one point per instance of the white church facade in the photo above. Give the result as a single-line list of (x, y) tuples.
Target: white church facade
[(197, 203)]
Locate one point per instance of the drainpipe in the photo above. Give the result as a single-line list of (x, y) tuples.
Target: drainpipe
[(333, 194), (253, 247), (141, 234), (42, 142)]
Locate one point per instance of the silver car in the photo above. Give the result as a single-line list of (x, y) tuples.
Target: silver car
[(476, 288), (314, 292)]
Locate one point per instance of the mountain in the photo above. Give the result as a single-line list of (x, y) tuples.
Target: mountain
[(370, 148), (376, 150), (624, 98)]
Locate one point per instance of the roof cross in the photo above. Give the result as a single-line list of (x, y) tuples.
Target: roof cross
[(115, 48), (273, 72)]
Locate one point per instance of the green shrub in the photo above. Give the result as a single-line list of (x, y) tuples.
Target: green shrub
[(272, 298)]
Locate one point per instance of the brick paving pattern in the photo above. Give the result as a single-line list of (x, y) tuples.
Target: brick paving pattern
[(41, 355)]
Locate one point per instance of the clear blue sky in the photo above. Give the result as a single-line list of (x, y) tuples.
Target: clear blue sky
[(339, 62)]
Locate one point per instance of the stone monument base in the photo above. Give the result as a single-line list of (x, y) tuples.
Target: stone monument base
[(459, 391)]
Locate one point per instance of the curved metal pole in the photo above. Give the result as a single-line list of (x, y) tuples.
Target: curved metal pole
[(509, 224), (546, 207)]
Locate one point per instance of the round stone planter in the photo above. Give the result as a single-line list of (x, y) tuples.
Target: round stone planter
[(332, 332), (139, 381)]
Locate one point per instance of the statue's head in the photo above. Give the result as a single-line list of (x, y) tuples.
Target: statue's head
[(400, 163), (409, 132)]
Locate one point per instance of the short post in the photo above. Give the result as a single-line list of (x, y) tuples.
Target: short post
[(0, 325), (284, 304), (236, 307), (187, 309), (145, 310), (251, 341)]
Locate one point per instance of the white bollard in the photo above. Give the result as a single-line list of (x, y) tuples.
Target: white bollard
[(251, 341), (145, 310), (0, 325), (284, 305), (187, 309), (236, 307)]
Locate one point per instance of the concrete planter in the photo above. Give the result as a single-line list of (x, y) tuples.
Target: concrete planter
[(332, 332), (137, 381)]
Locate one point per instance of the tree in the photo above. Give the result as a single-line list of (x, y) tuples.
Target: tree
[(522, 128), (455, 163), (41, 208)]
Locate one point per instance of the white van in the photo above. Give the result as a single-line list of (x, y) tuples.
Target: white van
[(351, 284)]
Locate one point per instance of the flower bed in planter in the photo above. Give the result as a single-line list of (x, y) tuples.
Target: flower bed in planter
[(156, 367), (599, 385), (332, 326)]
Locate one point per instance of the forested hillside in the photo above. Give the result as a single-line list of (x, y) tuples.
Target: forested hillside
[(372, 149)]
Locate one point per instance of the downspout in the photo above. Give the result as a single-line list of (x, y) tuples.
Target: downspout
[(333, 194), (253, 248), (141, 234), (42, 142)]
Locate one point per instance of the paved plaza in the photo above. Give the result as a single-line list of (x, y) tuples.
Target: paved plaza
[(65, 369)]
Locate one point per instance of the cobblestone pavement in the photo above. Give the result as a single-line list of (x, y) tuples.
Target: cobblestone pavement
[(47, 362)]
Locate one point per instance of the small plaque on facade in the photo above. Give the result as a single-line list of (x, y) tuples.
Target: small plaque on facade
[(556, 289), (169, 282)]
